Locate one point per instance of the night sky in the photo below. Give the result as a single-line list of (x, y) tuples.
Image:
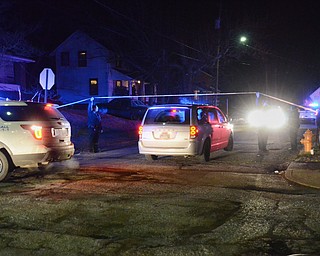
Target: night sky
[(283, 35)]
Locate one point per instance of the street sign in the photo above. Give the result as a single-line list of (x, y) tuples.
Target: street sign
[(47, 78), (46, 81)]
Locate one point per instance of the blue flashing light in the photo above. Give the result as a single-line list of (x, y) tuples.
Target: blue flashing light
[(184, 100), (314, 104)]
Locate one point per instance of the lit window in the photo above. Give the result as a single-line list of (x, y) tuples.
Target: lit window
[(82, 59), (118, 83), (93, 86)]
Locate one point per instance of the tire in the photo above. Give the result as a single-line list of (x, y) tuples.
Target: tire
[(5, 167), (151, 157), (229, 147), (206, 150)]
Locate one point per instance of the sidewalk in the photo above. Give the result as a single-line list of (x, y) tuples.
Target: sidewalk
[(305, 171)]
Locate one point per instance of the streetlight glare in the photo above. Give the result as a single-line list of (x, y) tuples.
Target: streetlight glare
[(243, 39)]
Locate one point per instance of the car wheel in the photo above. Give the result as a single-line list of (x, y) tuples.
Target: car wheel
[(5, 168), (229, 147), (151, 157), (206, 150)]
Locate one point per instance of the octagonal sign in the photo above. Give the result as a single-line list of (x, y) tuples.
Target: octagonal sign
[(47, 78)]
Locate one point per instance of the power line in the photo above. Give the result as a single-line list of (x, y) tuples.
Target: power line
[(147, 27)]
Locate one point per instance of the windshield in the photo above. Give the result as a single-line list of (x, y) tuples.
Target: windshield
[(137, 103), (32, 112), (168, 115)]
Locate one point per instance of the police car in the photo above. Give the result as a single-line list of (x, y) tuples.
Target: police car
[(307, 116), (32, 135), (184, 130)]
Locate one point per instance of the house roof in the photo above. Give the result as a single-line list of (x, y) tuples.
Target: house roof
[(9, 87), (75, 34), (15, 58), (119, 75)]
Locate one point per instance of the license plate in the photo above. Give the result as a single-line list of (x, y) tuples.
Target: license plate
[(63, 132), (164, 136)]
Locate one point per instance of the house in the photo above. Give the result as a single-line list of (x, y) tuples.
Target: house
[(13, 76), (85, 68)]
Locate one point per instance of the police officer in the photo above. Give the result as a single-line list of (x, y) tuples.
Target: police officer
[(318, 127), (294, 124), (263, 133), (94, 126)]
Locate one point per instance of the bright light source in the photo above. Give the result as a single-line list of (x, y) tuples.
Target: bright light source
[(272, 118), (193, 132), (230, 126), (243, 39), (314, 104), (37, 131)]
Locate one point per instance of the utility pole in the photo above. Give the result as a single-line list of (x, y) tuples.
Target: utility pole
[(217, 27), (217, 76)]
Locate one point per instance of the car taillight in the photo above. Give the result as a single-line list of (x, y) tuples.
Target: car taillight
[(193, 132), (140, 131), (35, 130)]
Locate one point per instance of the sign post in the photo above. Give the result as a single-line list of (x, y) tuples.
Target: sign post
[(46, 81)]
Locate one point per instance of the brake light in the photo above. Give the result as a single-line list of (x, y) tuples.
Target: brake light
[(48, 107), (193, 132), (35, 130), (140, 131)]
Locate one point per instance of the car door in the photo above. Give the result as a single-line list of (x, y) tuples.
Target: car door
[(223, 127), (216, 131)]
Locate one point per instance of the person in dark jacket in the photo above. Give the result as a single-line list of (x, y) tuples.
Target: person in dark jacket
[(318, 127), (263, 133), (294, 124), (94, 126)]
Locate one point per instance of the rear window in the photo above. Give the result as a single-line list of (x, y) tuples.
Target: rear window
[(32, 112), (168, 115)]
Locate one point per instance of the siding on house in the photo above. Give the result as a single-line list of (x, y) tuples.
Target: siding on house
[(13, 75), (84, 69)]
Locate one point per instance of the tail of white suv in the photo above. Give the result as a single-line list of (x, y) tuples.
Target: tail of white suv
[(32, 135), (184, 130)]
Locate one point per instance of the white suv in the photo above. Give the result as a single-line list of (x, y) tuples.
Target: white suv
[(32, 135), (184, 130)]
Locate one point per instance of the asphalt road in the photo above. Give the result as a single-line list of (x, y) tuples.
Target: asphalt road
[(117, 203)]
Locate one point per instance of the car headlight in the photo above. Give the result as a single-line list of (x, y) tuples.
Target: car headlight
[(272, 118)]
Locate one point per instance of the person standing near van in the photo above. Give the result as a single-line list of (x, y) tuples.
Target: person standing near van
[(94, 126), (294, 124), (318, 128), (263, 132)]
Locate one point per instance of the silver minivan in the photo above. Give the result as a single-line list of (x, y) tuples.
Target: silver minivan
[(184, 130)]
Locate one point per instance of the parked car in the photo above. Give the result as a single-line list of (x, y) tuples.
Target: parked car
[(307, 116), (184, 130), (127, 108), (32, 135)]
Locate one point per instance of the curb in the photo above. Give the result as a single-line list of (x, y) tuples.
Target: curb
[(305, 174)]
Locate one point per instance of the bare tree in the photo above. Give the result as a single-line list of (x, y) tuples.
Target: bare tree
[(13, 35)]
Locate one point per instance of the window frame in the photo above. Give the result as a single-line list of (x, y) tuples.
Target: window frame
[(93, 87), (82, 59)]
